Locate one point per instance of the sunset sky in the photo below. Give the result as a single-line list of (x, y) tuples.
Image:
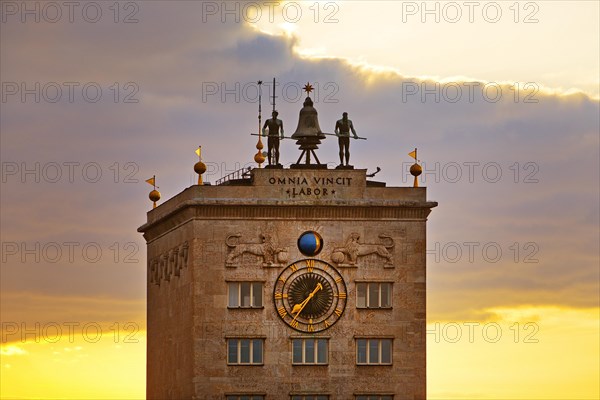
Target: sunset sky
[(500, 98)]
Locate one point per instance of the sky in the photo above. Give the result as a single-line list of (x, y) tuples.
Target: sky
[(500, 98)]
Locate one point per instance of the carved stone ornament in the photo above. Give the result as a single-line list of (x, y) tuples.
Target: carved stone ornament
[(347, 255), (267, 248), (168, 264)]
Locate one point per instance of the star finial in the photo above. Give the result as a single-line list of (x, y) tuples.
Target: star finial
[(308, 88)]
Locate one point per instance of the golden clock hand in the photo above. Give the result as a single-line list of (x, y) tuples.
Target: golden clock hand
[(297, 309), (310, 296)]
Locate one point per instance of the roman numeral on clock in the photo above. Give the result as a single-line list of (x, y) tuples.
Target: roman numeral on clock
[(310, 265), (281, 311)]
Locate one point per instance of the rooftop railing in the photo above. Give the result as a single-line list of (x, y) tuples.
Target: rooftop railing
[(242, 173)]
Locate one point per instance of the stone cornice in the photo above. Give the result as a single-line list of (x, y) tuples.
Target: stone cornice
[(230, 209)]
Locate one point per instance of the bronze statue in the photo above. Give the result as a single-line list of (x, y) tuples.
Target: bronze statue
[(342, 131), (275, 132)]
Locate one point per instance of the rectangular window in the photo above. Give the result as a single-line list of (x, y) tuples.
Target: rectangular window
[(309, 351), (245, 397), (245, 295), (373, 295), (374, 351), (310, 397), (244, 351), (374, 397)]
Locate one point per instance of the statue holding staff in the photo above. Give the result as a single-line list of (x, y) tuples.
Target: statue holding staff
[(275, 133), (342, 131)]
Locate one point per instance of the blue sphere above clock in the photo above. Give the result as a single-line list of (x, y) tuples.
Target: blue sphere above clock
[(310, 243)]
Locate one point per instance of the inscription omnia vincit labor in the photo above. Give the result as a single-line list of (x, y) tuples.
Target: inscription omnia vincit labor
[(316, 186)]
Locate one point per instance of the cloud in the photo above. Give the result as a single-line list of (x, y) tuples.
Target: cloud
[(194, 83), (12, 350), (28, 316)]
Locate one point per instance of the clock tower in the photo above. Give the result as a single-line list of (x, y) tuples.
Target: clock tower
[(288, 283)]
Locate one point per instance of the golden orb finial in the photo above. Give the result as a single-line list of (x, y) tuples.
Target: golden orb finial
[(199, 167), (154, 197), (154, 194), (259, 157), (415, 169)]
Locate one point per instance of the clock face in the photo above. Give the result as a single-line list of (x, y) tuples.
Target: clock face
[(310, 295)]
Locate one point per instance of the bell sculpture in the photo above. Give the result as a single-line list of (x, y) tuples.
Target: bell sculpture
[(308, 134)]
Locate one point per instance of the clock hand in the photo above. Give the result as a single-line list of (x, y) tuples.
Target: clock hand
[(301, 305), (297, 309)]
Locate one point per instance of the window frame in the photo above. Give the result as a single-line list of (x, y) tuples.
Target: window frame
[(251, 340), (379, 340), (316, 352), (368, 301), (238, 285)]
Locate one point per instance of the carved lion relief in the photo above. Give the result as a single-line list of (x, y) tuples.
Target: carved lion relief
[(348, 254), (267, 248)]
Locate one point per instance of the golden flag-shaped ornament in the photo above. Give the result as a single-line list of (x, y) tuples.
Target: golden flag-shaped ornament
[(198, 151), (151, 181), (413, 154)]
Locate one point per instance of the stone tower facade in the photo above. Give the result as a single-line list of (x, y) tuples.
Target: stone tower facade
[(288, 284)]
